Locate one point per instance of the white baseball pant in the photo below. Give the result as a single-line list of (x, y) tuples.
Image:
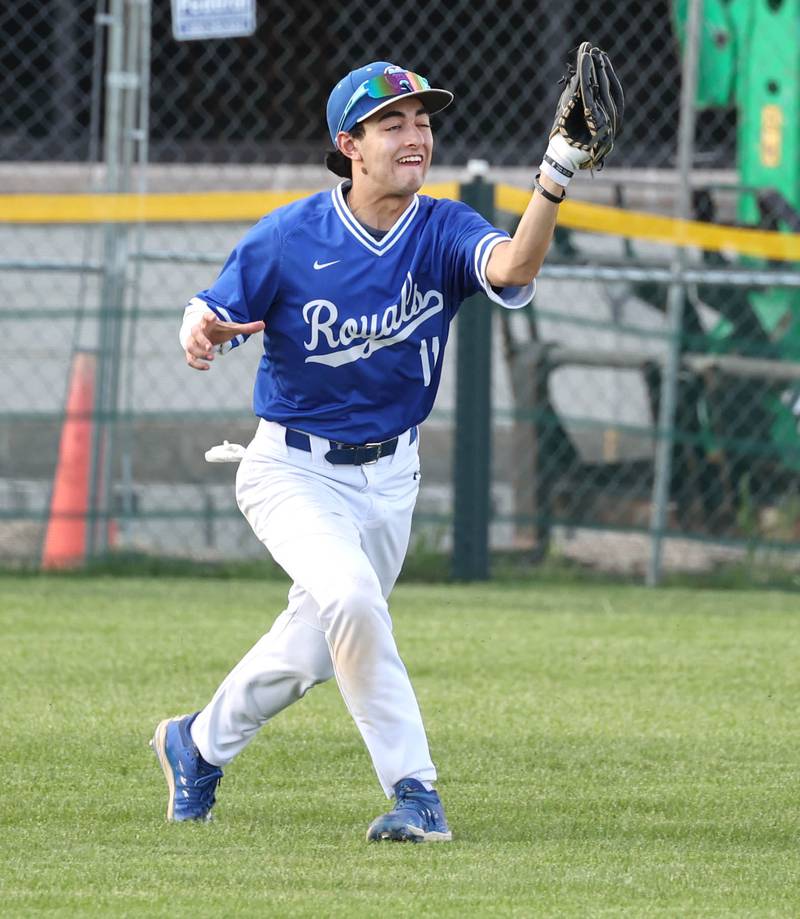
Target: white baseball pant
[(341, 533)]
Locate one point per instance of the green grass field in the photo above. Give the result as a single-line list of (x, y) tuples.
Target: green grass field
[(603, 751)]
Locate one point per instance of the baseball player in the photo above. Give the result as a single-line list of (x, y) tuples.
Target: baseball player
[(352, 292)]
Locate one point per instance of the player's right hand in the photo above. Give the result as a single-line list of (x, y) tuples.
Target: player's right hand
[(210, 331)]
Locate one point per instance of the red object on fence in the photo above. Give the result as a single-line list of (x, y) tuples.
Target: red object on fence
[(65, 540)]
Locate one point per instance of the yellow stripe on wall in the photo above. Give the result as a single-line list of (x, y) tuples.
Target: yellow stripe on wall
[(206, 206), (597, 218), (212, 206), (232, 206)]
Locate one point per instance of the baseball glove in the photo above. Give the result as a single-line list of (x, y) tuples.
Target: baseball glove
[(589, 112)]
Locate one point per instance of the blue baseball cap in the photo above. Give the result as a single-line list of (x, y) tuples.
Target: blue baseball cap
[(372, 87)]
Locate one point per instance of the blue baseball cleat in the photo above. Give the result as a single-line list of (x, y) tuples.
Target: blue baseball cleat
[(191, 780), (417, 816)]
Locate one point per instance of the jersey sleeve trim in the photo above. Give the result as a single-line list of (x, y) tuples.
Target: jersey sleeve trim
[(510, 297), (224, 314)]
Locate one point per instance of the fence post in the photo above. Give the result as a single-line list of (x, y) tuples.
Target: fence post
[(124, 81), (665, 434), (471, 462)]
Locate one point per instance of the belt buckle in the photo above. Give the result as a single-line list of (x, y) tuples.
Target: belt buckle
[(372, 461)]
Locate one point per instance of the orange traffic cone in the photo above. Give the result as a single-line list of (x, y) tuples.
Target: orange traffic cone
[(65, 540)]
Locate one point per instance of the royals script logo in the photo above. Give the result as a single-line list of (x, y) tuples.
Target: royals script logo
[(359, 338)]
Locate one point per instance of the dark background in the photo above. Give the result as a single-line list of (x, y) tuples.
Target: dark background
[(262, 99)]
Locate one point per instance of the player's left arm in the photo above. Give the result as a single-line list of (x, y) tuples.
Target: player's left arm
[(588, 120), (517, 262)]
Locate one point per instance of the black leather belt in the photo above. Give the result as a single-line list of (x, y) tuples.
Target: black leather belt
[(342, 454)]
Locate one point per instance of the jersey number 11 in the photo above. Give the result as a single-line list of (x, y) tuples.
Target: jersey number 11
[(428, 359)]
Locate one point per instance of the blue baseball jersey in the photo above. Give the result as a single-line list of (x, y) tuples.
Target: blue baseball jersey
[(355, 326)]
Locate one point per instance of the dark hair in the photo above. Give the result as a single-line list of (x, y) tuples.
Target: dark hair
[(337, 162)]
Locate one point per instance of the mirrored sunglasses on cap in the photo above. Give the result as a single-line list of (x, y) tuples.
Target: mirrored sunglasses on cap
[(398, 83)]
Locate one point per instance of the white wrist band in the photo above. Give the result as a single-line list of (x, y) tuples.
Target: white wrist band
[(561, 161), (553, 170)]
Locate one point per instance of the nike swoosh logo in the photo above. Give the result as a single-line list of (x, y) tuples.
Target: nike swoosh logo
[(318, 265)]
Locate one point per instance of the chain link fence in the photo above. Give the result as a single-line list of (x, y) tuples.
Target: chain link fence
[(102, 99), (262, 99)]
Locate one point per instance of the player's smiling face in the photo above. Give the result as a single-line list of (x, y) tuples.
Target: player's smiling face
[(397, 147)]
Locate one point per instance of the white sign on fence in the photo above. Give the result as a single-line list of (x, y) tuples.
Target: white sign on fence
[(213, 18)]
